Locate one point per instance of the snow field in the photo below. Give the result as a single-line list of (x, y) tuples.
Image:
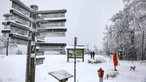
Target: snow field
[(13, 67)]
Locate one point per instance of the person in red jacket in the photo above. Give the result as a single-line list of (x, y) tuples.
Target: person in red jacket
[(115, 61)]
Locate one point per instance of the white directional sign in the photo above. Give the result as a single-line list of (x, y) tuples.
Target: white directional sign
[(20, 18), (52, 23), (8, 16), (40, 38), (17, 28), (40, 60), (19, 6), (19, 39), (51, 46), (39, 52), (52, 13), (52, 32)]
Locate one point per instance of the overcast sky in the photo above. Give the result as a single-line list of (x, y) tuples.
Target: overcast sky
[(86, 19)]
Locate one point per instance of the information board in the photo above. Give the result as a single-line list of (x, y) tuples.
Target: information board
[(61, 75), (79, 53)]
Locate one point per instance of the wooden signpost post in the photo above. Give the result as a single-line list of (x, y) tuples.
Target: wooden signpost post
[(28, 26)]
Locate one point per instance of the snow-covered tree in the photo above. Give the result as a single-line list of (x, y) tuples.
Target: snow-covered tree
[(4, 43), (128, 31)]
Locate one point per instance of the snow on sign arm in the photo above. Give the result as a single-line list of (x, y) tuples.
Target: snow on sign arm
[(52, 13), (52, 32), (20, 18), (19, 39), (60, 47), (19, 6), (17, 28)]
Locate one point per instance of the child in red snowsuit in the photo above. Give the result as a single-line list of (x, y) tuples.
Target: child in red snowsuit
[(115, 61)]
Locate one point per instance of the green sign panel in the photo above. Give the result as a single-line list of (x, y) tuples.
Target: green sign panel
[(79, 53)]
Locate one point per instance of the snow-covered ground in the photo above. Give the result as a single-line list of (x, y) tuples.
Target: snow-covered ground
[(13, 67)]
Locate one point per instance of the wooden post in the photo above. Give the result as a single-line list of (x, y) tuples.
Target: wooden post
[(30, 69), (7, 46), (34, 25)]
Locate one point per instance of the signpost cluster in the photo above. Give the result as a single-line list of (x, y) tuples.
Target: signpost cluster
[(29, 26)]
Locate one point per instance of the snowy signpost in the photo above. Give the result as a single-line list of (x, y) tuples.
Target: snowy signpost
[(28, 26)]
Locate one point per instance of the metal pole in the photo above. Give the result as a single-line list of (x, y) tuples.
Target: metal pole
[(142, 45), (75, 43)]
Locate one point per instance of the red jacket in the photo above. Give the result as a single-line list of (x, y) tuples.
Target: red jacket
[(115, 59)]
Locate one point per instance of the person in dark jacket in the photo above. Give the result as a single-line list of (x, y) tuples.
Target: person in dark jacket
[(93, 53)]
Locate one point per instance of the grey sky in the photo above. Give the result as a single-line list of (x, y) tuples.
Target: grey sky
[(86, 19)]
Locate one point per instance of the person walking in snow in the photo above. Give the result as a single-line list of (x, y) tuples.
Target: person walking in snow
[(115, 61), (93, 53)]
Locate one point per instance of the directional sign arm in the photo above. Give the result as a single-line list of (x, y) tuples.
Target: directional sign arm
[(53, 20), (50, 44), (5, 31), (17, 25), (22, 5), (52, 30), (19, 14), (19, 37), (52, 11)]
